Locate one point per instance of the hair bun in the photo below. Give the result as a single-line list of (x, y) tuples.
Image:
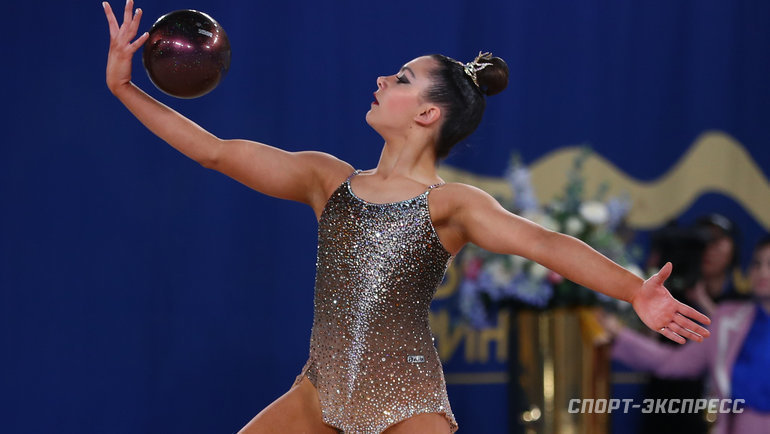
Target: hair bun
[(494, 78)]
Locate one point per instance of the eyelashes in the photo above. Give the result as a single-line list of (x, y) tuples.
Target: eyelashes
[(401, 79)]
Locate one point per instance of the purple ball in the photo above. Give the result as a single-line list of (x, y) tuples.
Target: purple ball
[(187, 53)]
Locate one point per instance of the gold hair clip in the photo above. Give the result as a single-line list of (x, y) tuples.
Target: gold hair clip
[(472, 68)]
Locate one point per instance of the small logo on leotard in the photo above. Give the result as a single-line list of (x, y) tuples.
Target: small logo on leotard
[(415, 359)]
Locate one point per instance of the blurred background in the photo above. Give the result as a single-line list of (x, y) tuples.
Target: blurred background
[(141, 293)]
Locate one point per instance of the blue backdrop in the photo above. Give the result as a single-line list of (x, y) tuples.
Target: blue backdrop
[(141, 293)]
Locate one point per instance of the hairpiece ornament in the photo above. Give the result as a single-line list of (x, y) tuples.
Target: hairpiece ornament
[(472, 68)]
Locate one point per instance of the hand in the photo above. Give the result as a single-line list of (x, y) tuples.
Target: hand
[(664, 314), (121, 47)]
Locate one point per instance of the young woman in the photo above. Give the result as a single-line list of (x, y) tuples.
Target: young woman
[(386, 236)]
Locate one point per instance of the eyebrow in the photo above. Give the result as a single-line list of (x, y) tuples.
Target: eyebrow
[(408, 69)]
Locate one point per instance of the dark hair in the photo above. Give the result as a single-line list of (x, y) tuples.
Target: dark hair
[(461, 101), (727, 228), (762, 243)]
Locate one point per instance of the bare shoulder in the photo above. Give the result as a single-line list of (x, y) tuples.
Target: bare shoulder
[(457, 196), (327, 173), (457, 203), (449, 206), (326, 166)]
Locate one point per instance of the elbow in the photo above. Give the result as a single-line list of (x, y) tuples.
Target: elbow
[(209, 162), (211, 159)]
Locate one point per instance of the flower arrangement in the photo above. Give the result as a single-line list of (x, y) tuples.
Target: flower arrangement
[(490, 280)]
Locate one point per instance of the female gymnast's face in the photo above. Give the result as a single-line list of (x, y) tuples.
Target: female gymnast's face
[(759, 272), (399, 97)]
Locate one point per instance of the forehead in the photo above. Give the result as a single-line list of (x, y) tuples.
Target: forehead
[(422, 64)]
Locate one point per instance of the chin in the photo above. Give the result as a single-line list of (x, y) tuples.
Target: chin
[(372, 122)]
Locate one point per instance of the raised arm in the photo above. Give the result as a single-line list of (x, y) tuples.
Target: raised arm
[(307, 177), (478, 218)]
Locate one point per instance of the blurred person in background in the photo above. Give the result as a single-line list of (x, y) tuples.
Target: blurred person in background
[(720, 257), (704, 254), (736, 359)]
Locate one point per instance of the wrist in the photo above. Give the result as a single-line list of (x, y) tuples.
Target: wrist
[(634, 288), (119, 88)]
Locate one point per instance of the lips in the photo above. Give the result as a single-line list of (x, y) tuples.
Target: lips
[(375, 99)]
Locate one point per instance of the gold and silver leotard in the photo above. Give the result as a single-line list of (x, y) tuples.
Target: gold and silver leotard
[(372, 357)]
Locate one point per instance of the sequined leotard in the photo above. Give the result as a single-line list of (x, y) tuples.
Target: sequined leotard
[(372, 357)]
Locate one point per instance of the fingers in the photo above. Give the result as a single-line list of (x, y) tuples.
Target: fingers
[(127, 12), (665, 331), (693, 314), (111, 21), (136, 20), (691, 325), (684, 332), (125, 32), (681, 328), (663, 274), (133, 27), (139, 42)]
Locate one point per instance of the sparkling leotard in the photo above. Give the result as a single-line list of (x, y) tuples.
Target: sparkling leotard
[(372, 357)]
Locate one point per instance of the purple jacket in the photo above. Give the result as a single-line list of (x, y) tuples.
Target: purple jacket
[(715, 356)]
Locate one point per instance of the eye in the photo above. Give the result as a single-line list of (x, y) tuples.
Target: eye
[(402, 79)]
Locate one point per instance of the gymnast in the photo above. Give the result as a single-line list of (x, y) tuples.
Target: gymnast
[(385, 238)]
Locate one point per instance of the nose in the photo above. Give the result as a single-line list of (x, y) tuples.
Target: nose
[(380, 82)]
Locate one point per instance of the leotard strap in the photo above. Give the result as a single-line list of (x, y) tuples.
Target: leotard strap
[(434, 186), (430, 187), (357, 171)]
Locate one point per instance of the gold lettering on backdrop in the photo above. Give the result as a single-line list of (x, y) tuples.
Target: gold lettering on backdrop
[(476, 342), (498, 335), (448, 338)]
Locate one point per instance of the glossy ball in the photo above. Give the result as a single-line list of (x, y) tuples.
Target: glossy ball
[(187, 53)]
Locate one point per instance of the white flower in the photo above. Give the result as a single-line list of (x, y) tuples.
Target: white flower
[(537, 271), (573, 226), (556, 206), (595, 212)]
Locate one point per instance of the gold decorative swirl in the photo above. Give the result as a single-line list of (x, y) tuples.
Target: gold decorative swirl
[(715, 163)]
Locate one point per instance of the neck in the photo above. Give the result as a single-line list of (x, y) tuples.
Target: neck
[(411, 156)]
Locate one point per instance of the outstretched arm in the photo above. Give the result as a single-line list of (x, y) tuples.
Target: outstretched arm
[(306, 177), (480, 219)]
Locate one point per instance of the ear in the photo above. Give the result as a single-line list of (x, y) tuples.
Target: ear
[(429, 115)]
